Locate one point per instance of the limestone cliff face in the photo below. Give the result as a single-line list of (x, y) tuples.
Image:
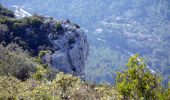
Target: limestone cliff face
[(70, 48)]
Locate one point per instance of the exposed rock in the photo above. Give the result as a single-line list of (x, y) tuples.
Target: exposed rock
[(70, 48)]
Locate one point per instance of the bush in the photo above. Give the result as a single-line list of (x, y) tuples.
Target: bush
[(107, 92), (59, 27), (137, 81), (15, 62), (66, 85), (41, 73), (35, 21), (10, 88), (40, 56), (13, 89)]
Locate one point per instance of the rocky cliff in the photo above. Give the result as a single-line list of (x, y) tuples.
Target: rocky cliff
[(66, 41), (70, 48)]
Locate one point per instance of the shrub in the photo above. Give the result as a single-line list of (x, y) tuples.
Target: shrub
[(10, 88), (59, 26), (35, 21), (66, 85), (40, 74), (14, 61), (107, 92), (137, 81), (13, 89)]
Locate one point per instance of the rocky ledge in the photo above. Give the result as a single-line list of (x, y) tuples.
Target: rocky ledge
[(70, 47)]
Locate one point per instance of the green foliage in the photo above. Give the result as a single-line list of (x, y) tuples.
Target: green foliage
[(10, 87), (35, 21), (14, 61), (166, 95), (107, 92), (43, 70), (137, 81), (59, 26), (40, 56), (66, 84), (148, 20), (41, 73), (7, 21), (64, 87)]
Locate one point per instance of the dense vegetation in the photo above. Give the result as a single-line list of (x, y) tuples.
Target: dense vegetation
[(128, 27), (23, 75), (27, 78)]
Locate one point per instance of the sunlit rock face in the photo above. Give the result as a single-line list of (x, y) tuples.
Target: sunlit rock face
[(70, 47)]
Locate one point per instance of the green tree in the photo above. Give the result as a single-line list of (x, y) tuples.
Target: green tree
[(137, 81)]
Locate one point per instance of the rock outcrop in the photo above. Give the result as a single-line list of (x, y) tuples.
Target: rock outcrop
[(66, 41), (70, 48)]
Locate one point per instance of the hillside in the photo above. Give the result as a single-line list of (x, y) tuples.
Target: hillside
[(59, 39), (42, 58), (122, 27)]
